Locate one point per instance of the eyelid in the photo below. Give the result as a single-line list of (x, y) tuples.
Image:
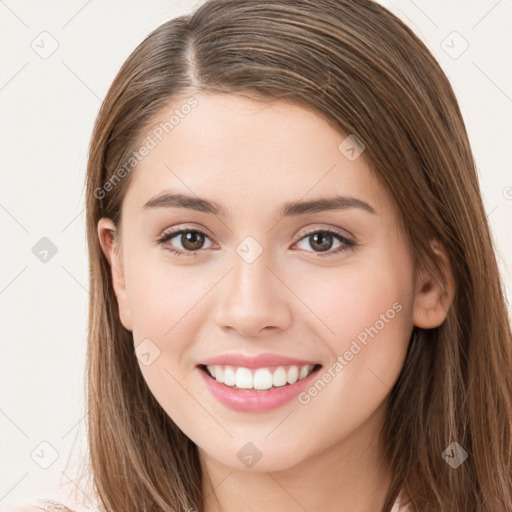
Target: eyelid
[(184, 227), (334, 229)]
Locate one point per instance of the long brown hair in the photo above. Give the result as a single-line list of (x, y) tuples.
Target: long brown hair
[(368, 74)]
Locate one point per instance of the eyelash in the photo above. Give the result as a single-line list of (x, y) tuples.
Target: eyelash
[(347, 244)]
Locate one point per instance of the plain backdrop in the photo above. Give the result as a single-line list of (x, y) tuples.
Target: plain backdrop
[(48, 105)]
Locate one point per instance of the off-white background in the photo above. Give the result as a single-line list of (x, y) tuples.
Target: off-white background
[(47, 111)]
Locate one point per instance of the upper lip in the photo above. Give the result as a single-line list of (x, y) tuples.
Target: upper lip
[(255, 361)]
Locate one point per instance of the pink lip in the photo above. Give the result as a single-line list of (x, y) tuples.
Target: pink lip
[(258, 361), (242, 400)]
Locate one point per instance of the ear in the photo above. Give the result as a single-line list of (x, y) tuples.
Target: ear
[(110, 246), (433, 298)]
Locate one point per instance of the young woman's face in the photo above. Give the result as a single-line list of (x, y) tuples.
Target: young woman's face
[(260, 282)]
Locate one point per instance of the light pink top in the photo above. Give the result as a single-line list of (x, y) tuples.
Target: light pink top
[(62, 502)]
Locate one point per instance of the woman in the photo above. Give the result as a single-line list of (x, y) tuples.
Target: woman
[(295, 301)]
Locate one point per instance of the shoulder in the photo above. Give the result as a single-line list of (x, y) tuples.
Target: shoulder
[(48, 504), (27, 508), (401, 504), (57, 502), (77, 494)]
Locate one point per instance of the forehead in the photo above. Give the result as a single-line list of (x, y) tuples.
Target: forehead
[(249, 155)]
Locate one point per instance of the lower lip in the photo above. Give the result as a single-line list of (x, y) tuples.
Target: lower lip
[(255, 401)]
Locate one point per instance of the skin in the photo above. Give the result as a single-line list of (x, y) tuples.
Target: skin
[(252, 158)]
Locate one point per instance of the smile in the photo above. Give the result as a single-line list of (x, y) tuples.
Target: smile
[(249, 398), (258, 378)]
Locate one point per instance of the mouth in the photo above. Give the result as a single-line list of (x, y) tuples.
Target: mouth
[(262, 380)]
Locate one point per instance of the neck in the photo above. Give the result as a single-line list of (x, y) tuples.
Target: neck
[(349, 476)]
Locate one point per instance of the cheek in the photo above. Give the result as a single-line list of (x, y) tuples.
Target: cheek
[(169, 306), (364, 313), (167, 313), (370, 315), (164, 299)]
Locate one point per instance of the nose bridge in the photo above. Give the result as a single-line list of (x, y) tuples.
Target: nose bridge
[(252, 297)]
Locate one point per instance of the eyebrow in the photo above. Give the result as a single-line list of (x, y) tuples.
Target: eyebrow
[(290, 209)]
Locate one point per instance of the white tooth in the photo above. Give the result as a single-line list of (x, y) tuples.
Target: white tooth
[(304, 371), (243, 378), (229, 376), (293, 375), (279, 377), (262, 379), (219, 373)]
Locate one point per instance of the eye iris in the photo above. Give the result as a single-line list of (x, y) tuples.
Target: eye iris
[(322, 245), (192, 240)]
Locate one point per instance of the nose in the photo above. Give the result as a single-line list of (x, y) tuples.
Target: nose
[(253, 299)]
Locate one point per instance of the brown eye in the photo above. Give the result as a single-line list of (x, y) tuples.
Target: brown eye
[(322, 240), (190, 240)]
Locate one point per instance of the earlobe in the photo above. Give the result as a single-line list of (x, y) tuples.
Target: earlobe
[(434, 296), (112, 250)]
